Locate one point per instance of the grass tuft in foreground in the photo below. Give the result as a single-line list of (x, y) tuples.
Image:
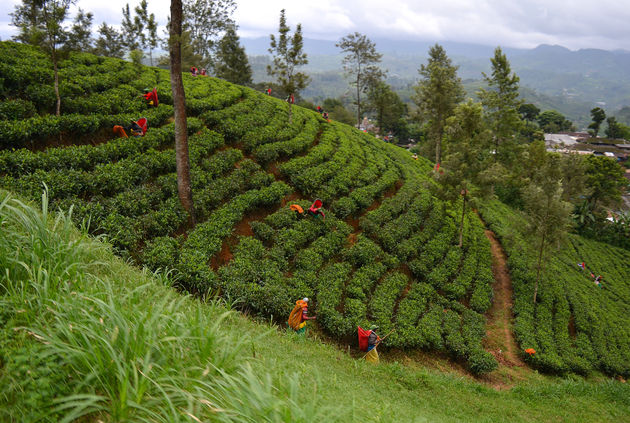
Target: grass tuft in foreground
[(84, 336)]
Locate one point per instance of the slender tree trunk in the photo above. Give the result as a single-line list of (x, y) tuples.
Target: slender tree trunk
[(290, 111), (179, 104), (496, 149), (540, 254), (54, 60), (438, 146), (358, 99), (461, 225), (151, 56)]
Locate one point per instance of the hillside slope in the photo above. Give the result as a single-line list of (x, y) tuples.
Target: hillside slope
[(98, 340), (385, 253)]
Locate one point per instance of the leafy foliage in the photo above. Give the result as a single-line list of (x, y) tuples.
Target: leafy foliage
[(574, 326), (387, 251)]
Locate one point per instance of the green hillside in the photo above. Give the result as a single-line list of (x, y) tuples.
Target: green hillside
[(386, 253), (575, 325), (87, 337)]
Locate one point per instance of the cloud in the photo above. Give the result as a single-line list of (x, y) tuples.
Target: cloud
[(524, 23)]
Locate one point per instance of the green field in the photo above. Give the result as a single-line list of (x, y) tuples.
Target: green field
[(85, 334), (386, 253)]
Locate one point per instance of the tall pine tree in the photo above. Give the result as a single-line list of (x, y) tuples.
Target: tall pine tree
[(287, 58), (41, 23), (360, 63), (231, 61), (80, 34), (109, 43), (129, 30), (437, 94), (501, 103)]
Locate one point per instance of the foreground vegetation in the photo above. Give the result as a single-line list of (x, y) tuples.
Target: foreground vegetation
[(386, 253), (248, 163), (84, 334)]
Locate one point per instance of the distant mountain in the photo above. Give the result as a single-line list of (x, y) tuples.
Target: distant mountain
[(258, 46), (552, 76)]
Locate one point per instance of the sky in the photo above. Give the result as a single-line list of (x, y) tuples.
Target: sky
[(573, 24)]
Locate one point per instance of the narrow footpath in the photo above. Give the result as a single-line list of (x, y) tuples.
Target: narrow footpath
[(500, 340)]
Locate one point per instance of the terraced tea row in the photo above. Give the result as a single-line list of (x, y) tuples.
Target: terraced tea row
[(384, 254), (574, 325)]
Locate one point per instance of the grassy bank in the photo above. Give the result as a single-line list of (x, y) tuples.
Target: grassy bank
[(84, 334)]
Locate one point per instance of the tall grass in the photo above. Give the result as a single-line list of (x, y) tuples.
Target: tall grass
[(122, 347)]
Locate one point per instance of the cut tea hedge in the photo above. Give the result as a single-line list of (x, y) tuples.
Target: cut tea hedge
[(386, 252)]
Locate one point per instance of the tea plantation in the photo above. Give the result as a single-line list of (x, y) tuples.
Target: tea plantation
[(386, 253), (575, 325)]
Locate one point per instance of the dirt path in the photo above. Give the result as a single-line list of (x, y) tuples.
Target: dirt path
[(500, 340)]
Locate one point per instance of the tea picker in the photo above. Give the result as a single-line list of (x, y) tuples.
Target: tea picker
[(299, 316)]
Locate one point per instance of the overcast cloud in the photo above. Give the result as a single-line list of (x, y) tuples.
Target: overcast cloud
[(524, 23)]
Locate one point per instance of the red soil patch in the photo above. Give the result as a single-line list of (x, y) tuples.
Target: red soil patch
[(289, 199), (354, 223), (101, 136), (243, 228), (393, 190), (273, 169), (499, 339), (224, 256)]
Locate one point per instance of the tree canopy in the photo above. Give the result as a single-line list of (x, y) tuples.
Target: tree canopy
[(360, 64), (231, 61), (204, 21), (288, 56), (437, 94), (501, 103)]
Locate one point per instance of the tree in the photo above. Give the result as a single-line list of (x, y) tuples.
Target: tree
[(360, 64), (437, 93), (604, 177), (41, 22), (465, 157), (529, 112), (231, 60), (179, 105), (337, 111), (548, 218), (552, 121), (28, 19), (188, 57), (80, 34), (204, 20), (501, 102), (129, 30), (146, 28), (616, 130), (574, 182), (598, 115), (287, 57), (388, 106), (109, 43)]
